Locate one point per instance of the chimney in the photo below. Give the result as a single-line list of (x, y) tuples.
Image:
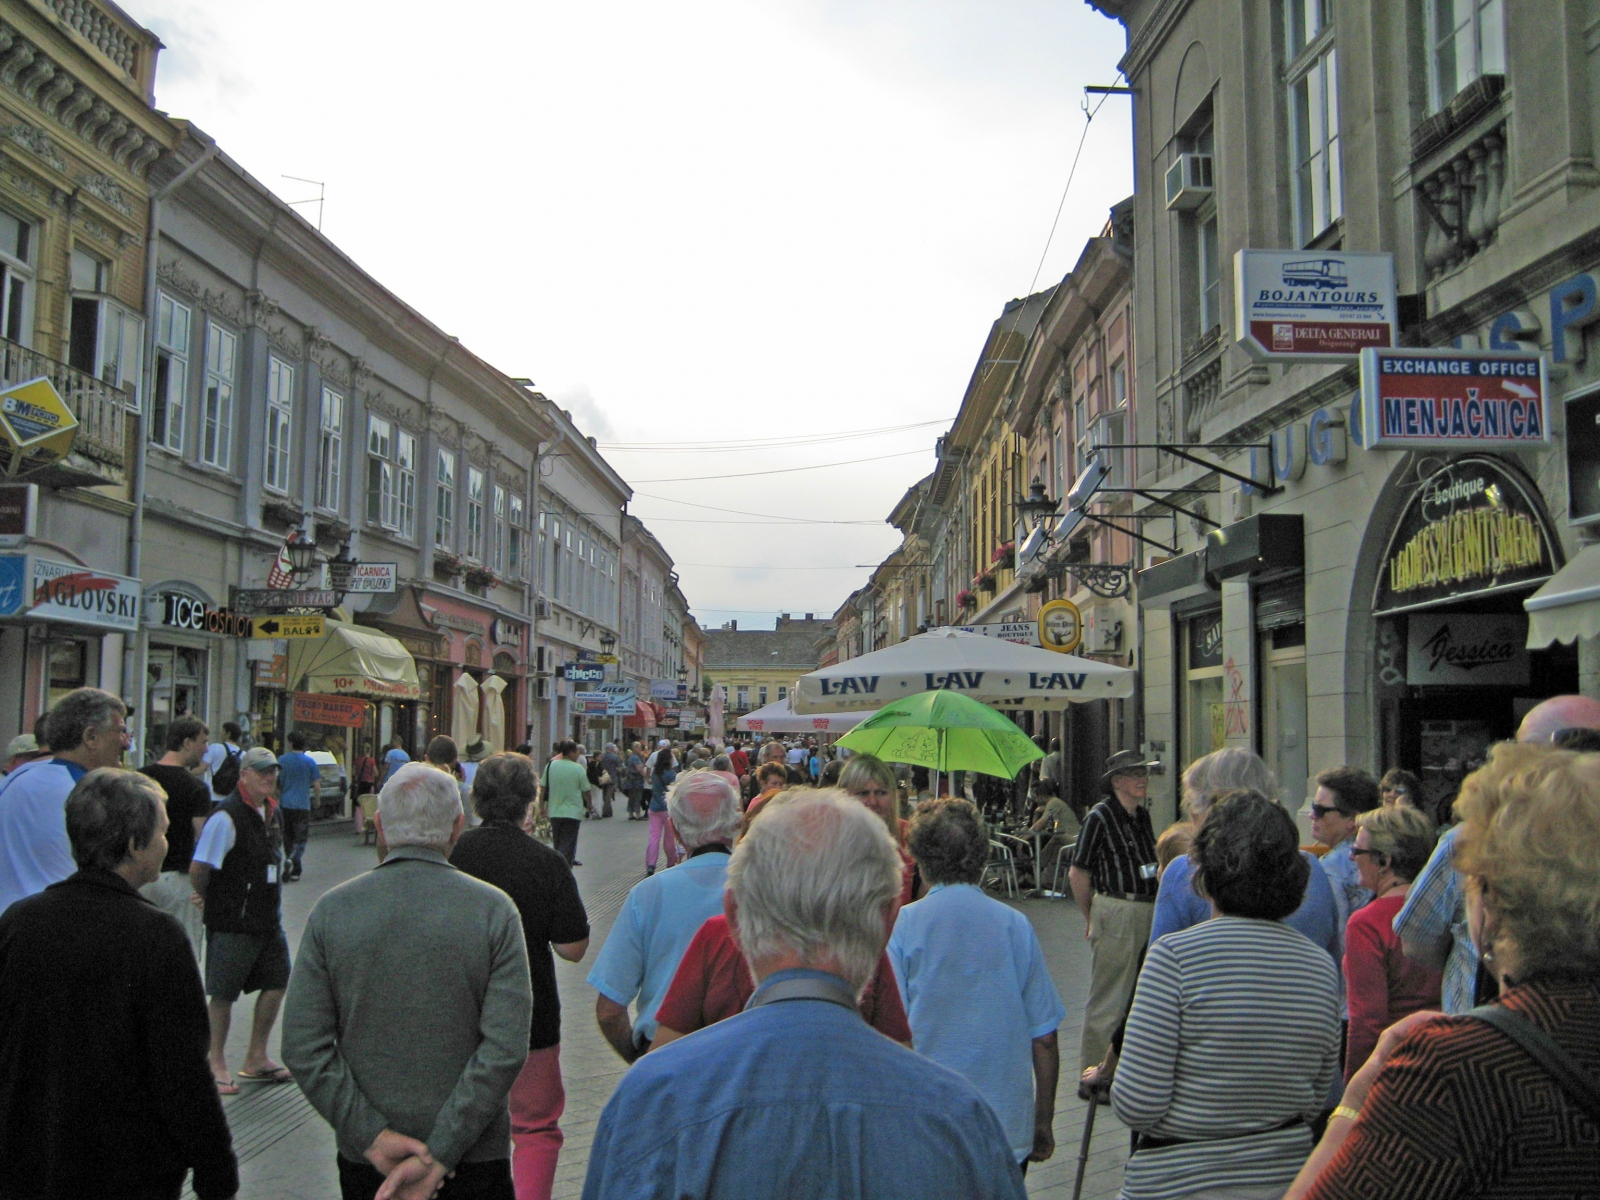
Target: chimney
[(808, 616), (783, 616)]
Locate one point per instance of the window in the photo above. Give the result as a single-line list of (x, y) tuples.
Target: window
[(216, 428), (280, 423), (1210, 276), (330, 451), (1313, 75), (497, 533), (515, 563), (783, 693), (742, 697), (106, 339), (383, 492), (761, 697), (445, 502), (1119, 384), (1467, 39), (169, 405), (405, 462), (1109, 430), (474, 513), (16, 279)]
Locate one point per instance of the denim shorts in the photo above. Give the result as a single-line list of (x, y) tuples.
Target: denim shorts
[(245, 962)]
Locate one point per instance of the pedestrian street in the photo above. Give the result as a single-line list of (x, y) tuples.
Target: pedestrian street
[(286, 1151)]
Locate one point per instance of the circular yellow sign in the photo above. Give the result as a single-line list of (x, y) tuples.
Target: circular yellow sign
[(1060, 626)]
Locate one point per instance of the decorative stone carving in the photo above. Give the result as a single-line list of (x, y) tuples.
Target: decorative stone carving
[(225, 305), (126, 145), (334, 367), (99, 113), (60, 88), (23, 184), (94, 229), (41, 72), (71, 110), (17, 60), (97, 28), (35, 139), (259, 307), (111, 134), (7, 37), (106, 189), (140, 160)]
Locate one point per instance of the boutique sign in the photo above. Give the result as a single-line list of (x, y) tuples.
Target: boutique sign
[(1452, 399), (1471, 529), (1311, 306)]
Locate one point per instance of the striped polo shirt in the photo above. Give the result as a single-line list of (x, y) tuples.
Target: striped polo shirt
[(1234, 1031), (1114, 845)]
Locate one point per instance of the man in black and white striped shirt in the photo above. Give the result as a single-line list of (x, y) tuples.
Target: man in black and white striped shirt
[(1114, 880)]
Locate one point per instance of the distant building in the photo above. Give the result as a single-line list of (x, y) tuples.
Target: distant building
[(759, 666)]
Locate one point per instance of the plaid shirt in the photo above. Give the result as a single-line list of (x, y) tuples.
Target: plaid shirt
[(1435, 907)]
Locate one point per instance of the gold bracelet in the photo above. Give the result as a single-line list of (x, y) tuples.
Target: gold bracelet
[(1349, 1114)]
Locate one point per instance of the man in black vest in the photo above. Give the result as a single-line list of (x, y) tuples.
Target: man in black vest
[(237, 871)]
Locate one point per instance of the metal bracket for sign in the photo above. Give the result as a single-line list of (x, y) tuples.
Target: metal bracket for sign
[(1269, 489), (1150, 495), (1110, 580), (1162, 546)]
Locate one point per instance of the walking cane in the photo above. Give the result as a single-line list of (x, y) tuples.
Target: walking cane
[(1095, 1090)]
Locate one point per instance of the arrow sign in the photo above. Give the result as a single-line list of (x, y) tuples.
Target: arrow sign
[(293, 626)]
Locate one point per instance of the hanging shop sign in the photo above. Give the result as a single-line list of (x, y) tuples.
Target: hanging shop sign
[(1205, 640), (362, 578), (1583, 458), (505, 633), (591, 704), (1452, 399), (1474, 649), (1023, 633), (273, 672), (663, 689), (19, 513), (1060, 626), (313, 708), (583, 673), (295, 625), (622, 698), (56, 591), (36, 427), (1472, 528), (254, 601), (174, 610), (1311, 306), (668, 719)]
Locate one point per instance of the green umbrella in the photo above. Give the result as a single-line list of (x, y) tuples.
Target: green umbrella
[(944, 731)]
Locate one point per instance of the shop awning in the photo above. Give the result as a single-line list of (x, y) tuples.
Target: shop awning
[(1567, 607), (645, 716), (350, 660)]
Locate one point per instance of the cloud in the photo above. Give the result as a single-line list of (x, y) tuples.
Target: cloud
[(587, 413)]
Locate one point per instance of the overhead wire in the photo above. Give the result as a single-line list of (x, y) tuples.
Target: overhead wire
[(849, 462), (752, 444)]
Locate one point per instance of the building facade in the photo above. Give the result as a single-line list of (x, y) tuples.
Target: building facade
[(1326, 621), (757, 667)]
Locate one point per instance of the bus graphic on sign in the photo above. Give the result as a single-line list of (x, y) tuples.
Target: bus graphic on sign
[(1318, 273)]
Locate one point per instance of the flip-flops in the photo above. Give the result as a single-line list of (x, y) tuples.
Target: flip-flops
[(225, 1088), (276, 1075)]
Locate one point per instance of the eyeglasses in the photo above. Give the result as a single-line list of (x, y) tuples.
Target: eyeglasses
[(1321, 810), (1396, 791), (877, 793)]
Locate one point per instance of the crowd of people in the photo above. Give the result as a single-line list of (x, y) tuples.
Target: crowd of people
[(1386, 1012)]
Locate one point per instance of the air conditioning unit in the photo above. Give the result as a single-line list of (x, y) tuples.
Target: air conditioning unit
[(541, 689), (541, 609), (1189, 182)]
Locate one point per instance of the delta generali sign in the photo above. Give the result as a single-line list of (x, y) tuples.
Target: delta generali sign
[(1313, 305)]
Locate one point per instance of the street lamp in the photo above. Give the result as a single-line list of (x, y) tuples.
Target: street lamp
[(302, 556), (1037, 507), (608, 642)]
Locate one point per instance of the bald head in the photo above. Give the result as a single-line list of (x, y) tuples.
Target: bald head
[(1546, 719)]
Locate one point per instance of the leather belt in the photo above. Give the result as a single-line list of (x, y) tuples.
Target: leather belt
[(1133, 896)]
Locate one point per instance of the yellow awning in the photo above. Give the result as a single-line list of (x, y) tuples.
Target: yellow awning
[(351, 660), (1567, 607)]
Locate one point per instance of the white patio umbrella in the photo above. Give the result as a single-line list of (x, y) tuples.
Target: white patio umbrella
[(464, 710), (999, 673), (494, 713), (780, 717)]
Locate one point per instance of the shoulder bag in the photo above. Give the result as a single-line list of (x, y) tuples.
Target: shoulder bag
[(1544, 1050)]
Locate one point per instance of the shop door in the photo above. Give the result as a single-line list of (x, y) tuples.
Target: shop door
[(1284, 738), (1444, 738), (174, 687)]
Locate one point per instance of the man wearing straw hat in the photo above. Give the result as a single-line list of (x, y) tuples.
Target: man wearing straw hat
[(1114, 879)]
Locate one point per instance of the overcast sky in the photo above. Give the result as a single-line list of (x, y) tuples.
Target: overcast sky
[(718, 221)]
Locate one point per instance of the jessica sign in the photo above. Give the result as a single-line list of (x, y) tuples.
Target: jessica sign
[(1300, 305), (1467, 648), (1452, 399)]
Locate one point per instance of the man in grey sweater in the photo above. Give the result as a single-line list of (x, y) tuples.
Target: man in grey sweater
[(407, 1015)]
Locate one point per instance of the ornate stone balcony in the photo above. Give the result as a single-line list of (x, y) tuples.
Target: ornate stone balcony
[(1458, 174), (100, 448)]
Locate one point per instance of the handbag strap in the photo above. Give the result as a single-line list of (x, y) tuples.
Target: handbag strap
[(1543, 1049)]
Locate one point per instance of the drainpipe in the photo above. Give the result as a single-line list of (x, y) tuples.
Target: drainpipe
[(541, 451), (134, 657)]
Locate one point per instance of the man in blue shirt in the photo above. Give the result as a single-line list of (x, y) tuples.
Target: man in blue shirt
[(393, 760), (1343, 794), (797, 1095), (663, 912), (298, 777), (87, 729), (973, 977)]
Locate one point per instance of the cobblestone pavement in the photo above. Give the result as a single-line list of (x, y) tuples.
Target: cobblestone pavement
[(286, 1150)]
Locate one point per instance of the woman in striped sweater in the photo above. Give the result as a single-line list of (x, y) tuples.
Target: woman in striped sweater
[(1233, 1040)]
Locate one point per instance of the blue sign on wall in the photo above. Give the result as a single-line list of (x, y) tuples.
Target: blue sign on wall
[(13, 583)]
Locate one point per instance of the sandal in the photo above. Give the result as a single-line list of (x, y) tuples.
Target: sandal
[(226, 1087)]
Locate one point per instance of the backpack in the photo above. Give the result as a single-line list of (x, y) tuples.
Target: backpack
[(226, 777)]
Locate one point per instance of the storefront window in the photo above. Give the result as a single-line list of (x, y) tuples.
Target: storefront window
[(174, 687), (68, 668), (1205, 720)]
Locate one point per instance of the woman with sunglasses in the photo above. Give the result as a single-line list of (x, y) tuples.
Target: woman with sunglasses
[(1391, 846), (871, 780), (1400, 787)]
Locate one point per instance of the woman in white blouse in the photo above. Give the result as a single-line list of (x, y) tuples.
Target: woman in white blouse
[(1233, 1040)]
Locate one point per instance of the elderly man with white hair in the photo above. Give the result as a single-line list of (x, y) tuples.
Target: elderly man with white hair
[(797, 1096), (663, 912), (407, 1016)]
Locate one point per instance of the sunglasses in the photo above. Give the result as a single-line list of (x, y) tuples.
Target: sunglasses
[(1321, 810), (1371, 853), (1398, 791)]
